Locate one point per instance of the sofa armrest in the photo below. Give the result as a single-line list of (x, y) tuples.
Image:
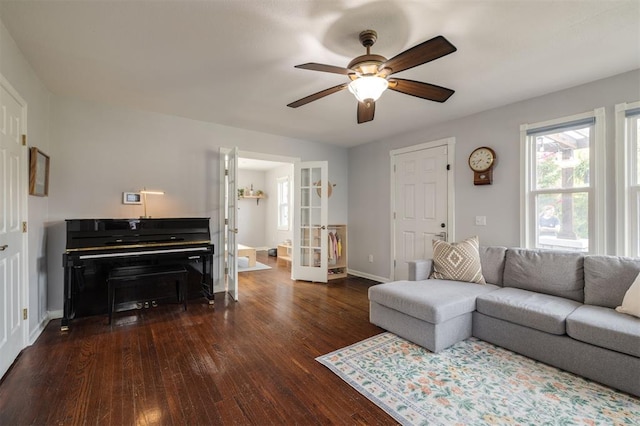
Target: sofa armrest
[(420, 269)]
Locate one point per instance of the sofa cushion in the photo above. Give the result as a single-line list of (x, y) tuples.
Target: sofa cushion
[(434, 301), (457, 261), (539, 311), (631, 302), (545, 271), (607, 279), (492, 260), (606, 328)]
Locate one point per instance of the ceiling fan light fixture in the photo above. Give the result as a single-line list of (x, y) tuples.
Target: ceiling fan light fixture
[(368, 87)]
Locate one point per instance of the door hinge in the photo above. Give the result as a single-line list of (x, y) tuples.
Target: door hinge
[(226, 172), (24, 140), (24, 227), (394, 215), (226, 270), (394, 263), (226, 221), (448, 166), (25, 314)]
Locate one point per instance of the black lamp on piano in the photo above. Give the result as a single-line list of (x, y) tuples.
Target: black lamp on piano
[(144, 194)]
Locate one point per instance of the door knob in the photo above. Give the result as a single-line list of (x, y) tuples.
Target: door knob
[(4, 247), (442, 235)]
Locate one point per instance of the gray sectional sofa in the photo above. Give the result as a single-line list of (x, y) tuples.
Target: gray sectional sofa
[(552, 306)]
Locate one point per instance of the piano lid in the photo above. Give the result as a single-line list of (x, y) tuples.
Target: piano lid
[(114, 234)]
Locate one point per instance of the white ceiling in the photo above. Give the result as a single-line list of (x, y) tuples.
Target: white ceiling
[(232, 61)]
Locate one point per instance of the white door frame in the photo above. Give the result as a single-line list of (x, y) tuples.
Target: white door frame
[(450, 143), (23, 199)]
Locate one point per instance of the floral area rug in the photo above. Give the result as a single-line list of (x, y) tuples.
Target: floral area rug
[(474, 382)]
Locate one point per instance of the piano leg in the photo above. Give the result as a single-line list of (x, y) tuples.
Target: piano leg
[(72, 273), (66, 312), (207, 277)]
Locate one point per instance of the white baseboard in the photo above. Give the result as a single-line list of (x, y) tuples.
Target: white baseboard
[(368, 276), (36, 332), (55, 314)]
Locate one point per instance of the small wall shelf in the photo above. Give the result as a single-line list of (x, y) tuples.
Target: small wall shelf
[(252, 197)]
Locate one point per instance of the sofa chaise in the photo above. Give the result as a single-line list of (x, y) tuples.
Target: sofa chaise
[(553, 306)]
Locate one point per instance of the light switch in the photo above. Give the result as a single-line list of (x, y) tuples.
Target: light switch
[(481, 220)]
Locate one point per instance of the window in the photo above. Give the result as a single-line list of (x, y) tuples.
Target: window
[(628, 178), (283, 203), (563, 161)]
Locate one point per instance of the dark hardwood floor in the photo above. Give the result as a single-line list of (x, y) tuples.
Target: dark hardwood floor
[(245, 362)]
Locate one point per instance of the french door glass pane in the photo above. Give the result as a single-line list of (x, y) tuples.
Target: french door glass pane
[(304, 216), (305, 178), (305, 195)]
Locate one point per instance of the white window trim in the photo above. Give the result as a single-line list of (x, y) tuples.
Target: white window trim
[(624, 169), (597, 202)]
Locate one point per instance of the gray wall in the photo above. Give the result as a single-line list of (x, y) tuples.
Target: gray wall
[(369, 174), (251, 214), (99, 151)]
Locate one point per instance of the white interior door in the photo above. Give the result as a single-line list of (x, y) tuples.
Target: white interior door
[(310, 222), (420, 203), (13, 187), (232, 223)]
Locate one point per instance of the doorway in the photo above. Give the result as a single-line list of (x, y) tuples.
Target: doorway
[(249, 195), (259, 201), (422, 197)]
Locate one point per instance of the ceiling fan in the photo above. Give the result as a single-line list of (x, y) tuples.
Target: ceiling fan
[(370, 75)]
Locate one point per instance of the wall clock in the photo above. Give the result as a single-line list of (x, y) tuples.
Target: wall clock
[(481, 161)]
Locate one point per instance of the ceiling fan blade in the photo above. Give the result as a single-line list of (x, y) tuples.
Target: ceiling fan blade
[(325, 68), (316, 96), (366, 110), (425, 52), (420, 90)]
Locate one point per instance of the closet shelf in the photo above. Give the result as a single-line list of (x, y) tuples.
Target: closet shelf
[(338, 269)]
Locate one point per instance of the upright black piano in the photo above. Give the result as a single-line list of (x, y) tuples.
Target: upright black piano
[(95, 246)]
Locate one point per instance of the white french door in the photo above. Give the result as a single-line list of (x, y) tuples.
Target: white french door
[(231, 196), (13, 190), (310, 222), (420, 202)]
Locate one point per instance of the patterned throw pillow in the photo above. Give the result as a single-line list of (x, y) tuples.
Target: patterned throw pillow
[(457, 261)]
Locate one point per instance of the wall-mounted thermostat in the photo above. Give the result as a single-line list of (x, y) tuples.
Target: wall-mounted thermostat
[(131, 198)]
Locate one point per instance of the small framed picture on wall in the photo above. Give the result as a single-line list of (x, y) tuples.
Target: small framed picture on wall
[(38, 173)]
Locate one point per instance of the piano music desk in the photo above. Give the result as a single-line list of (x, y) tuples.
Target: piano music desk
[(133, 276)]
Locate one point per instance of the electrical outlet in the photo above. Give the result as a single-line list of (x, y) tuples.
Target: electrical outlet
[(481, 220), (370, 258)]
